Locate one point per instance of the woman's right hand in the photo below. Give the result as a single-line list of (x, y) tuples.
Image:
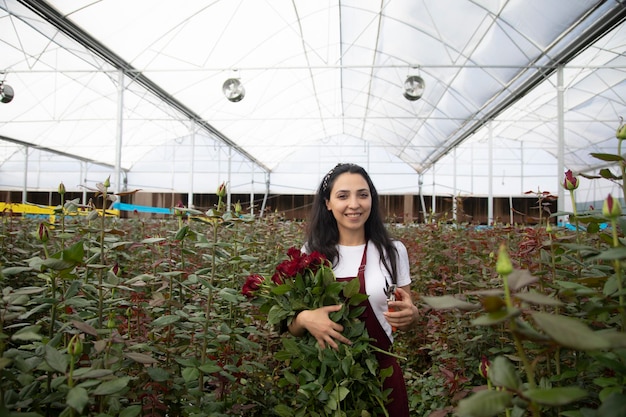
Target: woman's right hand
[(322, 328)]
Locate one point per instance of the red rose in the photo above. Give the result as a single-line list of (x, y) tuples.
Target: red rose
[(252, 284), (276, 279)]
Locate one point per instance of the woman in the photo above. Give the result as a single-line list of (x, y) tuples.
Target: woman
[(346, 226)]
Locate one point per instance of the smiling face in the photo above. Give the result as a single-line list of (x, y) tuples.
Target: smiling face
[(351, 203)]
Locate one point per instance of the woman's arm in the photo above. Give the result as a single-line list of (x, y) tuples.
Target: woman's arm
[(321, 327)]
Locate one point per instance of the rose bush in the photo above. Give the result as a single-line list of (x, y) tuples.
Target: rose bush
[(324, 382)]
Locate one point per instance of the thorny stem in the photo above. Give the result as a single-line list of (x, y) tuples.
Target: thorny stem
[(102, 260), (618, 272), (530, 372), (209, 305)]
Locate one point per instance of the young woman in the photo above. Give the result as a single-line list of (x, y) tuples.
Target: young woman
[(346, 226)]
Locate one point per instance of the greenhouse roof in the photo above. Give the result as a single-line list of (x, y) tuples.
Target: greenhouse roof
[(137, 87)]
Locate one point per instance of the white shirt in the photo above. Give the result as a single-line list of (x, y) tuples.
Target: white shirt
[(376, 275)]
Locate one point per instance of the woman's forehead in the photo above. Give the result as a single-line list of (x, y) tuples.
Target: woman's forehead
[(350, 182)]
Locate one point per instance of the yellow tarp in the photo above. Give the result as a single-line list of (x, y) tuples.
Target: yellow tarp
[(27, 209)]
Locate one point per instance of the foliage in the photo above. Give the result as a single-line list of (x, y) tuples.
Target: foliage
[(103, 316), (342, 382)]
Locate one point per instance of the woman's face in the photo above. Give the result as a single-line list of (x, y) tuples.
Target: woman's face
[(350, 202)]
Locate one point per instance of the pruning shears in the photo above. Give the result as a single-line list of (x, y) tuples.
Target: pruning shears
[(390, 292)]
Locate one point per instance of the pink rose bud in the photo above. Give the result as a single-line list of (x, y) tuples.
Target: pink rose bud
[(611, 208), (43, 234), (483, 368), (571, 182), (221, 190)]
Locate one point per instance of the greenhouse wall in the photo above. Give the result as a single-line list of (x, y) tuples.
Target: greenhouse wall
[(395, 208)]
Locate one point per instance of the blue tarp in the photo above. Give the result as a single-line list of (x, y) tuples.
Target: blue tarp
[(142, 209)]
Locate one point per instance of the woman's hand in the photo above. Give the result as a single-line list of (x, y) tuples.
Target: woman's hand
[(321, 327), (402, 313)]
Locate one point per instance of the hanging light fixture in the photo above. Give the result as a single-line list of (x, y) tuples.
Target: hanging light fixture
[(6, 92), (233, 90), (414, 87)]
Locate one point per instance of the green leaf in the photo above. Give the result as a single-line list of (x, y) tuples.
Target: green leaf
[(607, 157), (351, 288), (502, 373), (74, 253), (613, 406), (538, 299), (570, 332), (57, 264), (90, 373), (520, 278), (4, 362), (486, 403), (230, 295), (131, 411), (14, 270), (555, 396), (140, 357), (611, 254), (283, 410), (607, 174), (446, 302), (276, 314), (496, 317), (153, 240), (158, 374), (210, 368), (281, 289), (190, 374), (55, 359), (77, 398), (113, 386), (28, 333), (336, 396), (182, 232), (165, 320)]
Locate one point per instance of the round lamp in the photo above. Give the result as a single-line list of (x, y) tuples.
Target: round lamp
[(6, 92), (414, 87), (233, 89)]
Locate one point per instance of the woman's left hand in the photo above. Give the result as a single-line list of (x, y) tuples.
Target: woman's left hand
[(402, 312)]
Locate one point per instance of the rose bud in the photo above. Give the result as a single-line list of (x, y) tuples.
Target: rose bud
[(570, 182), (611, 208)]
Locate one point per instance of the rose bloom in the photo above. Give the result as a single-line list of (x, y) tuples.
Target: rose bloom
[(252, 284)]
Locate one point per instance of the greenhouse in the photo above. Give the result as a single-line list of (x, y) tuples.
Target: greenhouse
[(157, 158)]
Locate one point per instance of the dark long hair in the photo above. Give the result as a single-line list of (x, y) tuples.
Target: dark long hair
[(322, 233)]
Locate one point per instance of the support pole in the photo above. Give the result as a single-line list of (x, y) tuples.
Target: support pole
[(191, 165), (25, 181), (420, 184), (454, 208), (228, 192), (490, 198), (252, 191), (267, 191), (118, 139), (561, 144)]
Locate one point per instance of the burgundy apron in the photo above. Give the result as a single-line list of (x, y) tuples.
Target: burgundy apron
[(398, 405)]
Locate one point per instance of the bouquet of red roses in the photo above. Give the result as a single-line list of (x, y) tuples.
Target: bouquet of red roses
[(343, 382)]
